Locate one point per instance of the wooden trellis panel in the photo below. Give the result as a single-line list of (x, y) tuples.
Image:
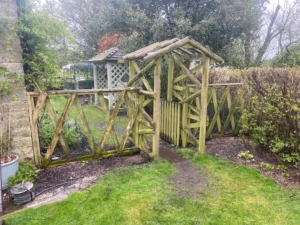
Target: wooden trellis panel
[(42, 99), (220, 98)]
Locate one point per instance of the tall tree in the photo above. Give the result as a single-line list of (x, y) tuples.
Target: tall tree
[(215, 23)]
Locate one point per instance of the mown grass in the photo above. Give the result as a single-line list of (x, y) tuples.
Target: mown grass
[(143, 195), (97, 120)]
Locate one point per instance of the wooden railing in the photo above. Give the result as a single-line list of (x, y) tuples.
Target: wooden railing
[(139, 124)]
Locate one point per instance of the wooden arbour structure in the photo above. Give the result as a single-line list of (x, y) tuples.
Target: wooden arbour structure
[(179, 53), (180, 119)]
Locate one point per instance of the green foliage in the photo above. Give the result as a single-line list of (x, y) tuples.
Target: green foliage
[(267, 166), (27, 172), (271, 114), (245, 155), (7, 81), (45, 41), (216, 24), (288, 58), (71, 131)]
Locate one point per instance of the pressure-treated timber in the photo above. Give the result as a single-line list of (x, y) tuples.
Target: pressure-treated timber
[(110, 122), (145, 82), (39, 105), (85, 125), (215, 103), (84, 91), (34, 132), (217, 112), (141, 73), (58, 130), (167, 49), (184, 123), (170, 78), (187, 72), (128, 128), (204, 90), (156, 107), (53, 116)]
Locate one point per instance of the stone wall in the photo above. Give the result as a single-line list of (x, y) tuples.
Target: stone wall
[(11, 59)]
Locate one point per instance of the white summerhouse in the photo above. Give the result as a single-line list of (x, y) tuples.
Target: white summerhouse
[(108, 73)]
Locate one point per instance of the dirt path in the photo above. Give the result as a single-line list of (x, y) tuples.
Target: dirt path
[(188, 180)]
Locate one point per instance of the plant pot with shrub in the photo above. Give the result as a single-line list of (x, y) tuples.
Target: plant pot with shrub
[(9, 161)]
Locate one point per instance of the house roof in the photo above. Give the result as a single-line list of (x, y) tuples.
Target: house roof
[(185, 46), (112, 54)]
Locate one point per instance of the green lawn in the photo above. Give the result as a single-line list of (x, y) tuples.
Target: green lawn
[(96, 119), (235, 194)]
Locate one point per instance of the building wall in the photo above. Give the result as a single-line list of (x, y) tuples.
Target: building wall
[(15, 103)]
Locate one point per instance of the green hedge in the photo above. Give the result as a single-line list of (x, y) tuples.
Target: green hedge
[(272, 106)]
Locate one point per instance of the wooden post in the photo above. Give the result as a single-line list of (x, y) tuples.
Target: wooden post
[(156, 108), (95, 83), (34, 132), (170, 78), (202, 135), (184, 119), (109, 86)]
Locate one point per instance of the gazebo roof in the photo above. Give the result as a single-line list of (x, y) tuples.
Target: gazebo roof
[(112, 54), (179, 46)]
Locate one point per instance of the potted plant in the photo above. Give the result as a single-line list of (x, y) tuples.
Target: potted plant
[(9, 161)]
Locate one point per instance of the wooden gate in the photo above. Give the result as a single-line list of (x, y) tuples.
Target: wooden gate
[(132, 140), (170, 122)]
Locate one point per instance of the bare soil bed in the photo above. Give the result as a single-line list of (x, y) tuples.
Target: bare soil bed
[(57, 183), (230, 147)]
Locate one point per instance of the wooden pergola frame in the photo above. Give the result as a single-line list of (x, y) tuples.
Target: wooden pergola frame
[(175, 50)]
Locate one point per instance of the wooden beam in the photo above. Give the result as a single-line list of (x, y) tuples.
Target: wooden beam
[(110, 122), (58, 130), (167, 49), (204, 90), (34, 132), (191, 97), (170, 78), (85, 125), (187, 72), (38, 108), (217, 112), (156, 107), (128, 129), (83, 91), (206, 51), (141, 73), (53, 116), (147, 93), (185, 51), (145, 82)]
